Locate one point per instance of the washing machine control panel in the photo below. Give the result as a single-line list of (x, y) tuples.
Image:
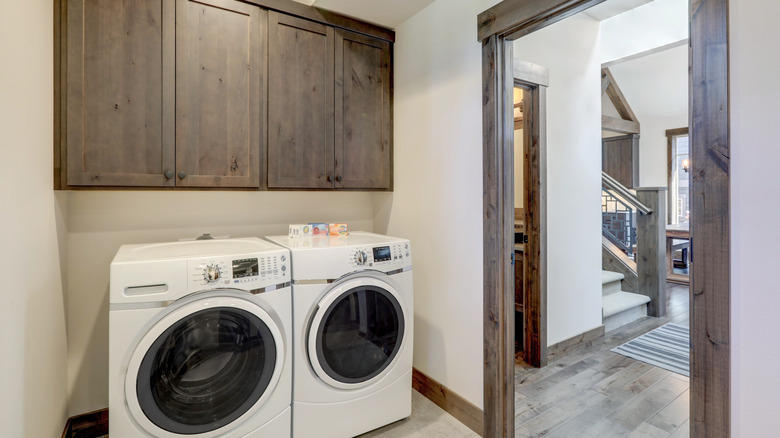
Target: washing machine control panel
[(381, 255), (247, 272)]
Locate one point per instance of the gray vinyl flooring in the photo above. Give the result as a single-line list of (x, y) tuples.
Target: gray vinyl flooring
[(593, 392)]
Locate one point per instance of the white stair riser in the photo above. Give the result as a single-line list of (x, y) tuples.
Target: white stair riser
[(610, 288), (625, 317)]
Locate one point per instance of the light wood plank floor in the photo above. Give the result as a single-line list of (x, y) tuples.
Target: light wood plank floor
[(590, 391)]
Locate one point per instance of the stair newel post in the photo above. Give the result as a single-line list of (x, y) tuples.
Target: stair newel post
[(651, 249)]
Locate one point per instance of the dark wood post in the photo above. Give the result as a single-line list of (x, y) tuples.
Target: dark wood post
[(651, 249)]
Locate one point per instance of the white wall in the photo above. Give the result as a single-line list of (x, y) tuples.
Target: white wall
[(656, 87), (33, 374), (437, 201), (647, 27), (569, 49), (99, 222), (755, 236)]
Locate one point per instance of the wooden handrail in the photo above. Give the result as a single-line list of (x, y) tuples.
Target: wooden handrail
[(612, 184)]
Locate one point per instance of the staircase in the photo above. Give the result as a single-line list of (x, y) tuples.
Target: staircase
[(617, 306)]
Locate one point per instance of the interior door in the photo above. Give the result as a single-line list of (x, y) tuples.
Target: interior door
[(356, 333)]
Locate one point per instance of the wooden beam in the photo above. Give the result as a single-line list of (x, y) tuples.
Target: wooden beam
[(514, 18), (710, 412), (605, 81), (651, 246), (617, 98), (613, 124)]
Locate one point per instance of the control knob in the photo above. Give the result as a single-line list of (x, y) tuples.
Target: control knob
[(211, 272), (361, 258)]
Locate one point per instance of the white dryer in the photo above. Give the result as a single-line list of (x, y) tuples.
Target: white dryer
[(200, 340), (353, 331)]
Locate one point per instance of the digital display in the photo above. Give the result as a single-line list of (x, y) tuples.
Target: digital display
[(382, 254), (245, 268)]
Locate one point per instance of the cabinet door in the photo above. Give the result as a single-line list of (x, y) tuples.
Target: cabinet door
[(300, 112), (363, 118), (120, 129), (220, 64)]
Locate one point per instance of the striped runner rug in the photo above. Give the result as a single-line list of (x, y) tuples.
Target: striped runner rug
[(667, 347)]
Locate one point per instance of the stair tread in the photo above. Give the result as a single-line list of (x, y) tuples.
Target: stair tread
[(609, 277), (620, 301)]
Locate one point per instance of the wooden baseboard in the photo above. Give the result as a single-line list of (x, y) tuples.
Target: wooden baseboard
[(561, 349), (457, 406), (89, 425)]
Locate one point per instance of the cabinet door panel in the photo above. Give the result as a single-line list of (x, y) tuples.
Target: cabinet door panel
[(300, 78), (220, 64), (119, 63), (363, 105)]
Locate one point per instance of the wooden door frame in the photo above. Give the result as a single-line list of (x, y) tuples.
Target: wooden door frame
[(710, 410), (534, 79)]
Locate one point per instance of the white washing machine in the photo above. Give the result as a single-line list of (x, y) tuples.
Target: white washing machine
[(353, 327), (200, 340)]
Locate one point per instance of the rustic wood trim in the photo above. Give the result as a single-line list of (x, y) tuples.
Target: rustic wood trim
[(613, 124), (670, 134), (60, 42), (452, 403), (498, 214), (615, 260), (587, 339), (710, 225), (530, 73), (710, 307), (535, 227), (325, 17), (651, 246), (91, 424), (617, 98), (512, 19)]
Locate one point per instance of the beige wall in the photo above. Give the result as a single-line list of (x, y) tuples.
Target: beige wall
[(570, 49), (99, 222), (437, 201), (755, 213), (33, 371)]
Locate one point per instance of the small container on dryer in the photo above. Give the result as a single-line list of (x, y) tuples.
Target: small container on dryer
[(300, 230), (319, 229), (337, 229)]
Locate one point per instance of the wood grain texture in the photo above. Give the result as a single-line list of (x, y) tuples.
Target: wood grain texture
[(328, 18), (584, 340), (115, 96), (363, 130), (89, 425), (498, 224), (301, 103), (651, 249), (515, 18), (617, 98), (710, 219), (535, 208), (620, 159), (615, 260), (614, 124), (457, 406), (220, 65)]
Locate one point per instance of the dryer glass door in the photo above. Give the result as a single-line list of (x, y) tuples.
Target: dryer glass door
[(359, 334), (206, 370)]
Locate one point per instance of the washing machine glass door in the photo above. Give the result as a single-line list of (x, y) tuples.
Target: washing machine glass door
[(205, 365), (356, 333)]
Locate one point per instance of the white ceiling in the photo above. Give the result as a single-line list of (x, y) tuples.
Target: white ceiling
[(610, 8), (657, 84), (386, 13)]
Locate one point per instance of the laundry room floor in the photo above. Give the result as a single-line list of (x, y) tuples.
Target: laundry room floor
[(427, 421)]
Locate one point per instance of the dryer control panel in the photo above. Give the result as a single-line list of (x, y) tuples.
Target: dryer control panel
[(381, 255), (242, 272)]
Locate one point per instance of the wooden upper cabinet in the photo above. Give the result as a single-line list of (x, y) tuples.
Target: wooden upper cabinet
[(300, 109), (220, 66), (117, 130), (363, 145)]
